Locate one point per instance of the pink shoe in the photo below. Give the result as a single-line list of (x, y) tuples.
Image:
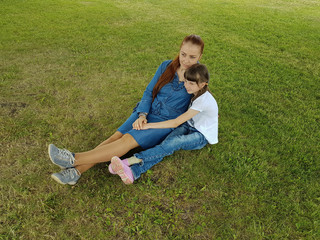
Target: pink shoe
[(122, 170), (125, 161)]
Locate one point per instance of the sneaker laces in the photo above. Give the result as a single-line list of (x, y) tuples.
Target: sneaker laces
[(69, 172), (66, 154)]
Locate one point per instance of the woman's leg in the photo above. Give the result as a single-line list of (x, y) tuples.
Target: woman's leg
[(105, 152), (117, 135)]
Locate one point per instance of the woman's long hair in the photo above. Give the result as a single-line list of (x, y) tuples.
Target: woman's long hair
[(198, 73), (169, 73)]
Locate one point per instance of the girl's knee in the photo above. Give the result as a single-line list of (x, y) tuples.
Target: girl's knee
[(173, 143)]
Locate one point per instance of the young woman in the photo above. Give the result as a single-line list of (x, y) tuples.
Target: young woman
[(164, 98), (199, 127)]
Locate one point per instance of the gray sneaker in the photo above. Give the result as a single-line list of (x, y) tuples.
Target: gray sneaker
[(68, 176), (61, 157)]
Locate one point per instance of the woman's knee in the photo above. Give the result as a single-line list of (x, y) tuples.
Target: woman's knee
[(117, 135), (129, 140)]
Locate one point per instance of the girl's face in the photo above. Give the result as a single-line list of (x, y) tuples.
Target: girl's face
[(193, 87), (189, 55)]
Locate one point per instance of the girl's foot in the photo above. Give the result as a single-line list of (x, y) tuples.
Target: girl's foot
[(125, 161), (61, 157), (68, 176), (122, 170)]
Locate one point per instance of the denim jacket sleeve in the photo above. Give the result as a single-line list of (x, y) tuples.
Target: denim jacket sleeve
[(146, 100)]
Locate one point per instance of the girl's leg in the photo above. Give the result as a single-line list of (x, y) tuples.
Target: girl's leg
[(117, 135), (105, 152), (154, 155), (180, 138)]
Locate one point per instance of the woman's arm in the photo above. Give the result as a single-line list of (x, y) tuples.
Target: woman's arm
[(174, 122), (146, 100)]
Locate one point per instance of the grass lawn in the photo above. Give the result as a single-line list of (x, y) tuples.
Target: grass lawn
[(70, 73)]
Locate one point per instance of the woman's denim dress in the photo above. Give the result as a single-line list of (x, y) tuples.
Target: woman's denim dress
[(171, 101)]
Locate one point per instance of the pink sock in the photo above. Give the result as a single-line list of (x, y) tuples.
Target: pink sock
[(125, 161), (122, 170)]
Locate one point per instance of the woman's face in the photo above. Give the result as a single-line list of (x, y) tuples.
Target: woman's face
[(189, 55)]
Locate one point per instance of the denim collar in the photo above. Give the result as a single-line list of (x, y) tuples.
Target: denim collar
[(176, 84)]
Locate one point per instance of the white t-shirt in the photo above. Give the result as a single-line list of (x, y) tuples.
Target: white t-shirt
[(206, 121)]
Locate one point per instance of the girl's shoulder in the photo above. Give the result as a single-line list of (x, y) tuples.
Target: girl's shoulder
[(207, 96), (205, 99)]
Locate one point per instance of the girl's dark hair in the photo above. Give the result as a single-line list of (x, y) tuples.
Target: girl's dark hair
[(169, 73), (198, 73)]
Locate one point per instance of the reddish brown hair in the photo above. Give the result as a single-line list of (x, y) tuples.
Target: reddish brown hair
[(169, 73)]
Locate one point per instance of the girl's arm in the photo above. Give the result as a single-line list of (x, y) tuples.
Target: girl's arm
[(174, 122)]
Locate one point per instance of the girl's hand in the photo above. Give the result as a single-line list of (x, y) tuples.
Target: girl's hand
[(139, 123)]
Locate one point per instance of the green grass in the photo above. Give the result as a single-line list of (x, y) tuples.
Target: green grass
[(70, 73)]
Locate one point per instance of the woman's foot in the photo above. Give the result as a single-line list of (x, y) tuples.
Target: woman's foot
[(61, 157), (122, 170), (68, 176)]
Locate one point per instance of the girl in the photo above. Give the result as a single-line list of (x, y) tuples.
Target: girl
[(199, 127), (165, 98)]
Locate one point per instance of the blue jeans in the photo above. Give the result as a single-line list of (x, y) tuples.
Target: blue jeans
[(184, 137)]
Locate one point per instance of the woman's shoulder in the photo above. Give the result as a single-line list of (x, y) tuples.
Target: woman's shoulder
[(166, 63), (163, 66)]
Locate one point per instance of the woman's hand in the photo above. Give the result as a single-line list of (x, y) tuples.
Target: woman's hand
[(139, 123), (145, 126)]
